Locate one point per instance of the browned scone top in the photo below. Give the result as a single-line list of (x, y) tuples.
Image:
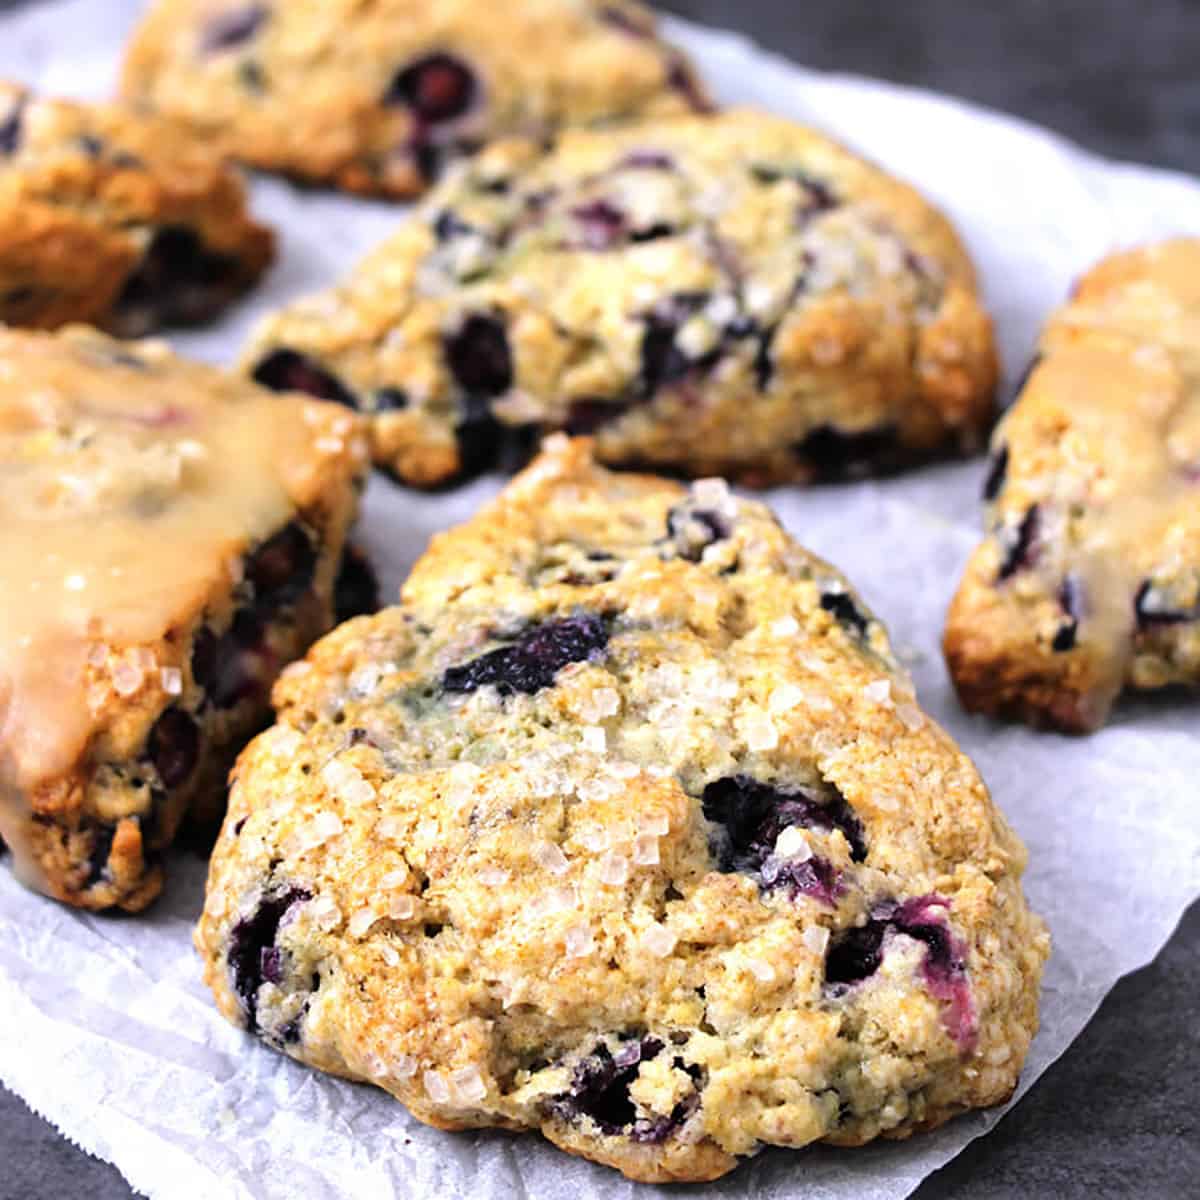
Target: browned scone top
[(733, 294), (170, 537), (625, 826), (377, 96), (1089, 579), (117, 219)]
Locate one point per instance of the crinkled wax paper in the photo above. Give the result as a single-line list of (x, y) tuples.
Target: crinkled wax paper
[(107, 1029)]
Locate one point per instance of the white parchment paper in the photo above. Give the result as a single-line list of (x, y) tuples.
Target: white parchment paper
[(105, 1027)]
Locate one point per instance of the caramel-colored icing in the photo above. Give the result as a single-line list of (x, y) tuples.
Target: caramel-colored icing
[(1103, 449), (131, 484)]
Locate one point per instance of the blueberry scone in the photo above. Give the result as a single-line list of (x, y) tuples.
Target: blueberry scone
[(377, 95), (113, 218), (625, 826), (170, 538), (720, 295), (1089, 579)]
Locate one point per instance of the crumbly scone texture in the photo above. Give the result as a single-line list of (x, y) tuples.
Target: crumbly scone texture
[(732, 295), (158, 573), (1089, 579), (376, 96), (116, 219), (625, 826)]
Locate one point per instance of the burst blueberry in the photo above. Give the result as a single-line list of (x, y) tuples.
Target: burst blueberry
[(438, 88), (534, 658), (837, 453), (1019, 544), (253, 956), (289, 371), (281, 568), (173, 746)]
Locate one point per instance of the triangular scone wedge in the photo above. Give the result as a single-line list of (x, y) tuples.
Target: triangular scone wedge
[(1089, 579), (625, 826), (378, 96)]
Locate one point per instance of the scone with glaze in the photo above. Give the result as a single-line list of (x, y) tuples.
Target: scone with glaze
[(117, 219), (170, 538), (1089, 579), (377, 96), (625, 826), (732, 295)]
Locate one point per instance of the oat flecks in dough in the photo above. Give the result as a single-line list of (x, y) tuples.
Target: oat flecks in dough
[(731, 295), (381, 96), (1089, 579), (665, 946)]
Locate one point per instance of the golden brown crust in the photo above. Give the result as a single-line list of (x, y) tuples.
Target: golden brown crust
[(1089, 580), (733, 295), (117, 219), (499, 855), (317, 89)]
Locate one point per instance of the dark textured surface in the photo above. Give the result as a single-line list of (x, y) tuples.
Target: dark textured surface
[(1119, 1114)]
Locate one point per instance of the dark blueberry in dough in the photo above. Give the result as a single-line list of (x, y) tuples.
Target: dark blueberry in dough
[(819, 197), (751, 815), (449, 225), (179, 281), (837, 454), (663, 362), (846, 612), (174, 746), (281, 569), (205, 656), (652, 232), (586, 416), (272, 965), (997, 470), (856, 954), (487, 444), (356, 591), (232, 28), (1150, 611), (101, 848), (1019, 545), (10, 128), (92, 146), (682, 79), (534, 658), (236, 673), (1071, 600), (438, 88), (694, 529), (289, 371), (389, 399), (764, 364), (603, 224), (253, 956), (479, 357), (600, 1086)]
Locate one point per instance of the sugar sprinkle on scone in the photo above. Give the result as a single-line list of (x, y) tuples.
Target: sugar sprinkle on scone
[(377, 96), (625, 826), (1089, 579), (733, 295), (116, 219), (170, 538)]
